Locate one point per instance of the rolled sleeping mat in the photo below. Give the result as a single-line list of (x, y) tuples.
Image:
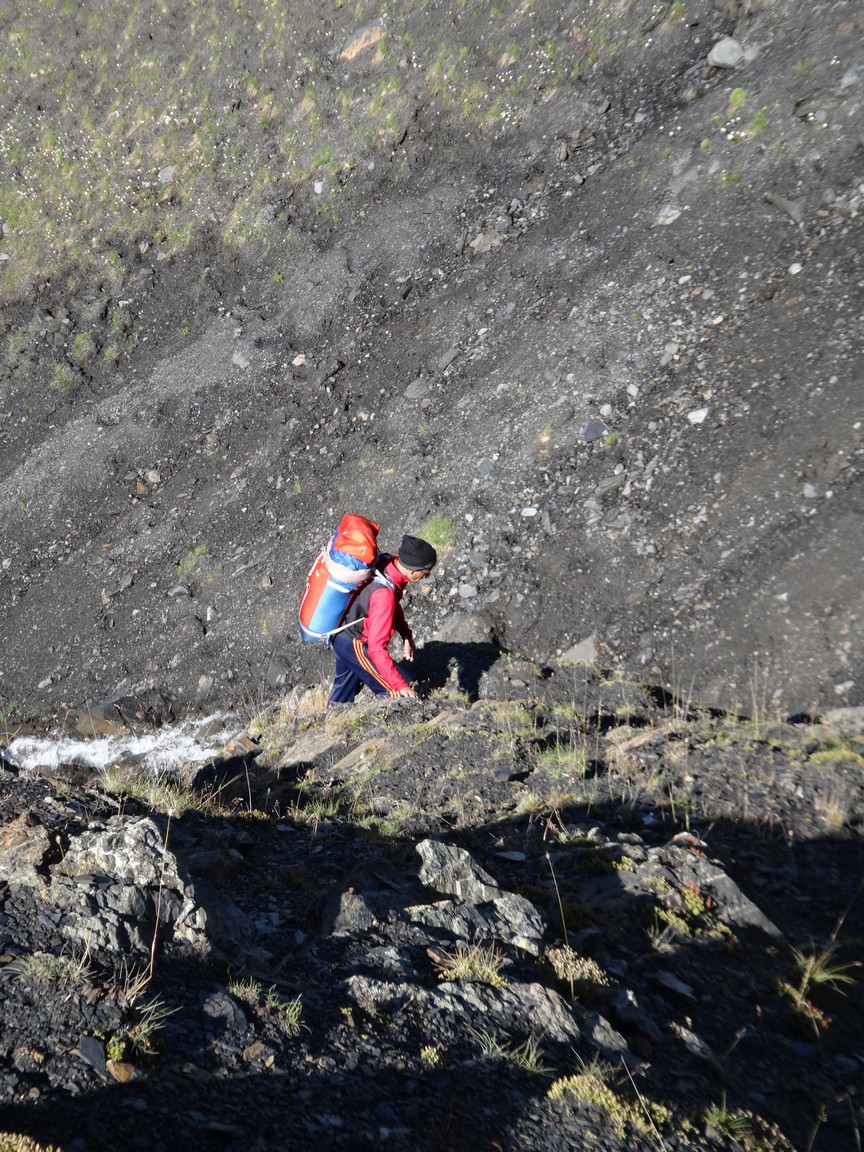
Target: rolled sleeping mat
[(332, 583)]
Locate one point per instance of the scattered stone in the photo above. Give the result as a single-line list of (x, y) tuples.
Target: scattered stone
[(447, 359), (668, 215), (594, 430), (100, 720), (92, 1051), (584, 652), (796, 210), (362, 40), (416, 389)]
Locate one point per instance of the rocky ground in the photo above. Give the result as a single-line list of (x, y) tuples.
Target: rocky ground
[(583, 289), (568, 914)]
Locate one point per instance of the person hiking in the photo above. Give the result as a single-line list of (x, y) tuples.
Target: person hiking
[(373, 619)]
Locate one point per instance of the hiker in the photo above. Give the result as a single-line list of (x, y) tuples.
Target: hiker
[(374, 618)]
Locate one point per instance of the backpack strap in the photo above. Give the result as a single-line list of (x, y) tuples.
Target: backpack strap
[(358, 610)]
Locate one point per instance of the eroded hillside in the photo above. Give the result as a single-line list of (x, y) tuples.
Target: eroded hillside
[(566, 283)]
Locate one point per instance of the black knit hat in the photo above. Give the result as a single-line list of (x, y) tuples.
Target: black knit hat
[(415, 554)]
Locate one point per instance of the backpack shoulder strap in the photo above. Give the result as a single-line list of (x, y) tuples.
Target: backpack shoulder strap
[(358, 610)]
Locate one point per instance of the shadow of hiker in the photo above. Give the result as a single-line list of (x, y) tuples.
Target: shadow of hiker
[(461, 664)]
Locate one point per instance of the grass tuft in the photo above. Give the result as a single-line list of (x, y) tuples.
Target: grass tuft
[(473, 963)]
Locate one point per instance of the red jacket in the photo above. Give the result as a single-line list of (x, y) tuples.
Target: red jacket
[(384, 619)]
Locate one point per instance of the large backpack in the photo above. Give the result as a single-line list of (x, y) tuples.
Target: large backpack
[(339, 572)]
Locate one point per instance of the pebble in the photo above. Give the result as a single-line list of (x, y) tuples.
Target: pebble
[(668, 215), (698, 415), (594, 430)]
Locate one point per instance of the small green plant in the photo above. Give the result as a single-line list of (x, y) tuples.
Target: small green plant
[(474, 963), (584, 975), (157, 792), (62, 378), (277, 277), (595, 1085), (138, 1040), (691, 916), (610, 439), (735, 1125), (14, 1142), (185, 330), (47, 969), (759, 122), (562, 757), (191, 559), (838, 752), (431, 1054), (247, 991), (528, 1055), (83, 348), (736, 98), (815, 969), (439, 532), (290, 1012), (8, 712), (730, 178)]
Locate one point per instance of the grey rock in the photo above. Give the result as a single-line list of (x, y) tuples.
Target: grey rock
[(625, 1007), (100, 720), (416, 389), (529, 1009), (672, 983), (594, 430), (846, 721), (278, 674), (583, 652), (145, 886), (447, 359), (452, 871), (794, 209), (92, 1052), (726, 53), (598, 1033), (347, 915), (220, 1006), (24, 843)]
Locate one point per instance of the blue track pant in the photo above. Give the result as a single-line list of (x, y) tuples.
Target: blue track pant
[(354, 669)]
